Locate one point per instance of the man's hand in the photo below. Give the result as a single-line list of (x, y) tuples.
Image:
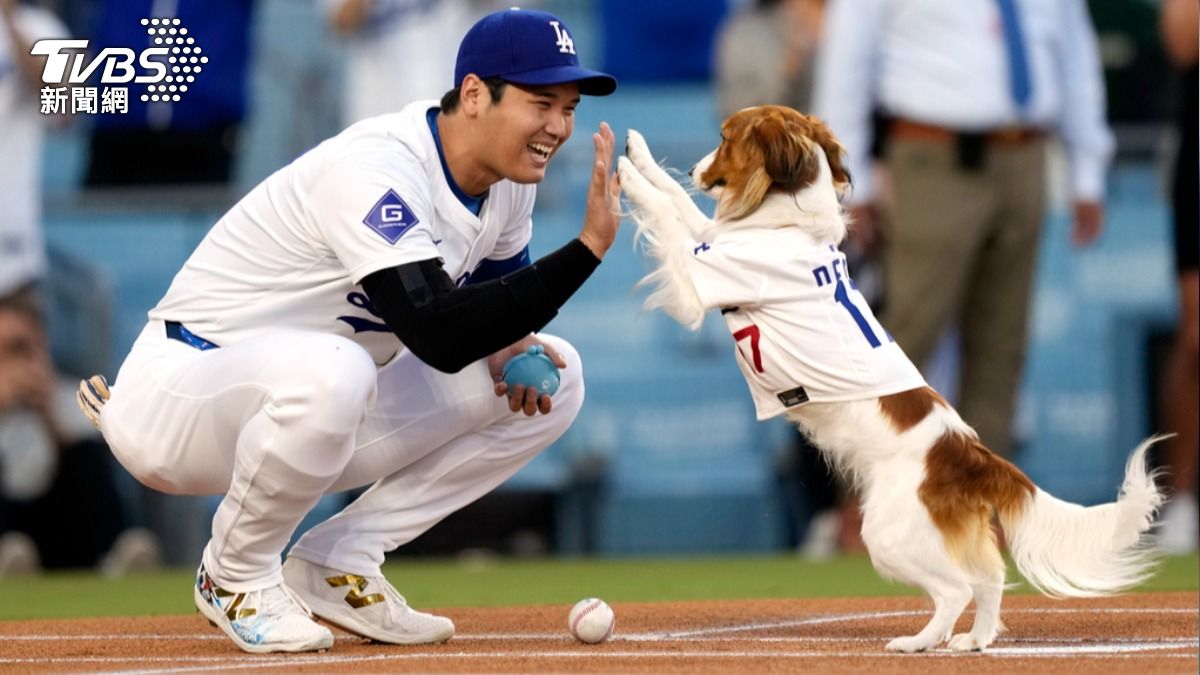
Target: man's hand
[(1089, 222), (603, 214), (522, 398)]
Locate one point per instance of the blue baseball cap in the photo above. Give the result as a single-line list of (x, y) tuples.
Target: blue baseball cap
[(526, 47)]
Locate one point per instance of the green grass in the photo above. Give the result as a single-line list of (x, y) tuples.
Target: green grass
[(450, 583)]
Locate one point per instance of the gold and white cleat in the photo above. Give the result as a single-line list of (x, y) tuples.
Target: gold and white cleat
[(92, 395)]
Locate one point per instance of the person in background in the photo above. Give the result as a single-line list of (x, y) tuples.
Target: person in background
[(398, 51), (22, 252), (973, 91), (1180, 523), (59, 504), (765, 55)]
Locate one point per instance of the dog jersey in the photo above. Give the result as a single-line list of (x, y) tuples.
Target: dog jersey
[(291, 253), (802, 331)]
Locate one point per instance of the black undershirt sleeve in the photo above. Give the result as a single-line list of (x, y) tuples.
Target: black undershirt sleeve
[(449, 327)]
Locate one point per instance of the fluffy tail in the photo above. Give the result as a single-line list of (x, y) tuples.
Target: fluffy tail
[(1068, 550)]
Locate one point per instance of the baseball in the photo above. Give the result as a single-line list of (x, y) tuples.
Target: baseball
[(591, 620)]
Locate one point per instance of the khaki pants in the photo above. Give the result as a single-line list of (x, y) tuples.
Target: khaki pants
[(960, 248)]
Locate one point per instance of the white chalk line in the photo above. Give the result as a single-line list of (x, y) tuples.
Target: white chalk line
[(557, 637), (249, 663), (701, 633), (1071, 647), (860, 616)]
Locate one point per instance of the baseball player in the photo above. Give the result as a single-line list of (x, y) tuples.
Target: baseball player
[(345, 325)]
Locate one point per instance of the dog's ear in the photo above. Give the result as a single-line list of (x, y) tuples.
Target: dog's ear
[(821, 134), (747, 188), (787, 157)]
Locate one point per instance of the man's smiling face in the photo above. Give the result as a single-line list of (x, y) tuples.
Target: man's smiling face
[(526, 128)]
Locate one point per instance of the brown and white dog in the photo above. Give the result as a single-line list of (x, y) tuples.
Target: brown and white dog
[(929, 488)]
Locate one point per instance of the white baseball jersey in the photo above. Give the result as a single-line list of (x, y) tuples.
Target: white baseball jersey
[(292, 252), (802, 331)]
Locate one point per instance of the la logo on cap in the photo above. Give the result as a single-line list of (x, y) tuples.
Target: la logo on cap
[(516, 46), (565, 44)]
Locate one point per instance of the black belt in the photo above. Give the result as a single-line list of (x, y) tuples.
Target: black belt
[(971, 146), (902, 128), (176, 331)]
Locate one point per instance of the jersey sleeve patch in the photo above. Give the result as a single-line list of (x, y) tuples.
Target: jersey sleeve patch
[(391, 217)]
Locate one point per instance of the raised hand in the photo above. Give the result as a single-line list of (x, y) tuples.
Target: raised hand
[(603, 215)]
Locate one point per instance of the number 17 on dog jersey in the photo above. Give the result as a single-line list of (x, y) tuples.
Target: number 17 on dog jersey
[(802, 331)]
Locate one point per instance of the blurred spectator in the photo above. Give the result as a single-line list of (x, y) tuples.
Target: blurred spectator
[(59, 506), (399, 51), (192, 141), (972, 90), (765, 55), (22, 253), (1180, 523)]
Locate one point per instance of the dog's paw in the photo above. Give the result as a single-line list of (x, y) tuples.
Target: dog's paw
[(632, 182), (638, 151), (625, 167), (965, 642), (909, 645), (639, 190), (635, 146)]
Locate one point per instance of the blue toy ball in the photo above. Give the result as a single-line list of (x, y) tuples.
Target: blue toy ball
[(532, 369)]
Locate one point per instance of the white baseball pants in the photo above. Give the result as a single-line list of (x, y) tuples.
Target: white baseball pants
[(277, 421)]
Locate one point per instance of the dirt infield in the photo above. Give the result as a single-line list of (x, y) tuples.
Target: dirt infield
[(1144, 633)]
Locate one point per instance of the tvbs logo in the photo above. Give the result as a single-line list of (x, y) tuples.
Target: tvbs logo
[(167, 67), (116, 61)]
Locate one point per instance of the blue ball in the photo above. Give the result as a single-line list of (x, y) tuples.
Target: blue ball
[(534, 370)]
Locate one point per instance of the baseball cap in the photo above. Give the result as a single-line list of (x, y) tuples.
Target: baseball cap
[(526, 47)]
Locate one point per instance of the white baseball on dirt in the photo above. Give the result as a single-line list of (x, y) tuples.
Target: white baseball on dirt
[(591, 620)]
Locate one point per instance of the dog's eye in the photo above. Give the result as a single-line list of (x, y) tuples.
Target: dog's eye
[(720, 182)]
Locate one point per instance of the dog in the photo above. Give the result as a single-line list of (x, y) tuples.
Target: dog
[(811, 349)]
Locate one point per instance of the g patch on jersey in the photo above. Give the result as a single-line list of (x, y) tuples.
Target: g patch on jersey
[(391, 217)]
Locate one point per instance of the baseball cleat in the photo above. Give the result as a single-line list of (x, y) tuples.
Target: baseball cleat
[(366, 606), (92, 395), (265, 620)]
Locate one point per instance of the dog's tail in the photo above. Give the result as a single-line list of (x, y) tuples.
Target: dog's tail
[(1068, 550)]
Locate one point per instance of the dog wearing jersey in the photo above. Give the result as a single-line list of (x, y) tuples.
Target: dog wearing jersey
[(811, 349)]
